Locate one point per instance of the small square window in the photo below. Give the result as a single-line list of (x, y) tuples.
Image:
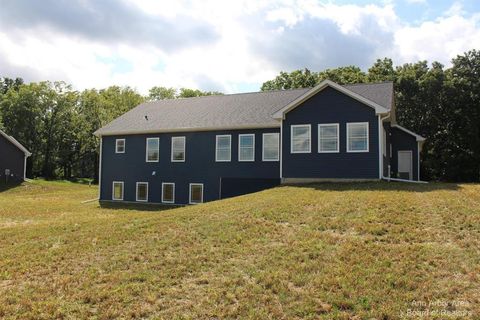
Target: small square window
[(120, 146)]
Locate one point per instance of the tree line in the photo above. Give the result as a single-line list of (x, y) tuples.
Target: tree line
[(56, 123)]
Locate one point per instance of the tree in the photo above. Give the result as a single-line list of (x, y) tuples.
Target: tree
[(382, 70), (161, 93), (295, 79)]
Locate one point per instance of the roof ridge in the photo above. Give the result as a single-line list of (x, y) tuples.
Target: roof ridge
[(232, 94)]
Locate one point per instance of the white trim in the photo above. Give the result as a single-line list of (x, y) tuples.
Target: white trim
[(25, 167), (417, 136), (99, 133), (190, 192), (418, 159), (348, 138), (411, 162), (280, 114), (337, 125), (239, 146), (146, 149), (113, 190), (278, 147), (116, 145), (16, 143), (184, 149), (136, 191), (163, 186), (100, 170), (309, 137), (382, 145), (216, 147)]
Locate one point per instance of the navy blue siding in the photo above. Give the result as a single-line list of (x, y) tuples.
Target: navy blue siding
[(199, 167), (11, 158), (331, 106), (401, 141)]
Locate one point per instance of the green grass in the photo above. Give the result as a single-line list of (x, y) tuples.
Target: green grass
[(332, 251)]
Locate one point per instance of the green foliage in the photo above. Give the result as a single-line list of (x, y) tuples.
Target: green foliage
[(161, 93)]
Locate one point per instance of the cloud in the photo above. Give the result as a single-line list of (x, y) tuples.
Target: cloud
[(212, 44), (107, 21)]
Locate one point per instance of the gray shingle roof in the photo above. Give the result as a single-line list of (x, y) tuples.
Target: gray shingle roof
[(233, 111)]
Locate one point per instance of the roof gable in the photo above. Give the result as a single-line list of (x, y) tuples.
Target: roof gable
[(15, 143), (349, 91)]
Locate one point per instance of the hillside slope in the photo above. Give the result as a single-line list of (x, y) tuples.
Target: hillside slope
[(333, 251)]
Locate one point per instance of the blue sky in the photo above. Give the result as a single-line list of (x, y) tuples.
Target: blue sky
[(229, 46)]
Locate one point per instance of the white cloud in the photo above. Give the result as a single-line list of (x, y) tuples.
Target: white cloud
[(249, 42)]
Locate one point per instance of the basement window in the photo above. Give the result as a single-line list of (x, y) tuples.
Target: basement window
[(142, 192), (196, 193), (168, 192), (117, 193)]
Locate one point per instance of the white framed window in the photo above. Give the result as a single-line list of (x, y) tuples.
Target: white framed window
[(178, 149), (223, 148), (246, 147), (120, 146), (300, 138), (153, 147), (142, 192), (196, 193), (168, 192), (328, 138), (271, 147), (357, 137), (117, 190)]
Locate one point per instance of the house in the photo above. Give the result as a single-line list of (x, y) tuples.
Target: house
[(13, 159), (193, 150)]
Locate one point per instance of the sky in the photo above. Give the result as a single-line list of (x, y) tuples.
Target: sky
[(227, 46)]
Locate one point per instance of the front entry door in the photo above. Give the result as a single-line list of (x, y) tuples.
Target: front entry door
[(405, 164)]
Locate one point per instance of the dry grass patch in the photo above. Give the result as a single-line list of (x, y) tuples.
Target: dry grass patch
[(332, 251)]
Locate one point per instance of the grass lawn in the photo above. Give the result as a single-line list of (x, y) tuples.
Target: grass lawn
[(332, 251)]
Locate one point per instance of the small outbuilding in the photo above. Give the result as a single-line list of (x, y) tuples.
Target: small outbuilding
[(13, 159)]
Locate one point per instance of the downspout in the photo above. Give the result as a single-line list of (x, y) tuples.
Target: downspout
[(380, 144), (100, 170)]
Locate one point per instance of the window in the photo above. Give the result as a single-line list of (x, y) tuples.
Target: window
[(142, 191), (271, 147), (357, 137), (300, 138), (120, 146), (328, 138), (168, 192), (178, 149), (223, 149), (196, 193), (246, 147), (153, 146), (384, 147), (117, 193)]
